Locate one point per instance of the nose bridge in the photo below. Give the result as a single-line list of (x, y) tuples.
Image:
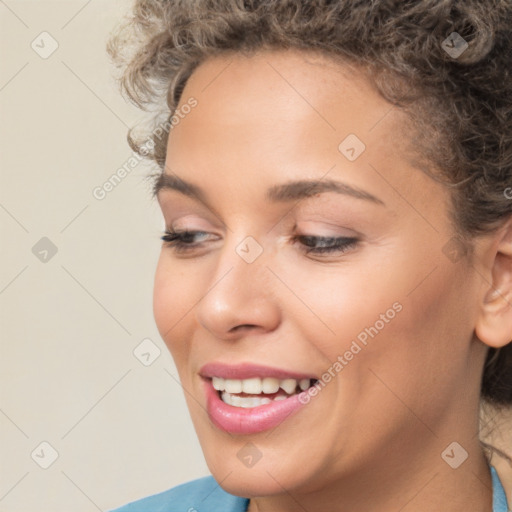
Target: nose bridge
[(240, 291)]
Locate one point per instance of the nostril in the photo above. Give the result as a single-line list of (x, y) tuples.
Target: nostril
[(242, 327)]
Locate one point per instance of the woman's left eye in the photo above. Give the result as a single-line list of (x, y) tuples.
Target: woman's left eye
[(325, 244)]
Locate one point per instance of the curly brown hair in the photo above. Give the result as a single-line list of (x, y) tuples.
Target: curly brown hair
[(460, 103)]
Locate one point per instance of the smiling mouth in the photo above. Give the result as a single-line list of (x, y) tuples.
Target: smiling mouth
[(257, 391)]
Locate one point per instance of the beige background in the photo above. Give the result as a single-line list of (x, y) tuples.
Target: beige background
[(69, 325)]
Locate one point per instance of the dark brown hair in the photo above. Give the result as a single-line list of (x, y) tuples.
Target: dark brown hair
[(446, 63)]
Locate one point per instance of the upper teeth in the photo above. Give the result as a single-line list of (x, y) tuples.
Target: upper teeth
[(256, 385)]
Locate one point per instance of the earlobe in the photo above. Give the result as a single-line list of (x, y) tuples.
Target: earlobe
[(494, 324)]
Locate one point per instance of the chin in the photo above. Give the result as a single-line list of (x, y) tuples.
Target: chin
[(269, 476), (252, 483)]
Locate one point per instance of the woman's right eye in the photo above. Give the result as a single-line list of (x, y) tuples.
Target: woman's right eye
[(183, 240)]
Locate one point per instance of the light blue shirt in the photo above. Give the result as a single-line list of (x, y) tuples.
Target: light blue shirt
[(205, 495)]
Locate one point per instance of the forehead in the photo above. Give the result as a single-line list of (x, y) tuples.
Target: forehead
[(292, 101), (287, 115), (296, 83)]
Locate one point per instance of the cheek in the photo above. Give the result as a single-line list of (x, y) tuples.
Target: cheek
[(401, 316), (173, 294), (421, 358), (424, 351), (400, 344), (350, 302)]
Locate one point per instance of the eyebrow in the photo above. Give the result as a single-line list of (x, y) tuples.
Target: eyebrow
[(289, 191), (294, 190)]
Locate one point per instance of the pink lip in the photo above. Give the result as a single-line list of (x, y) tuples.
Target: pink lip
[(248, 370), (237, 420)]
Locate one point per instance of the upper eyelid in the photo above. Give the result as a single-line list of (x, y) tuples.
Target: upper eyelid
[(213, 216), (331, 225), (198, 223)]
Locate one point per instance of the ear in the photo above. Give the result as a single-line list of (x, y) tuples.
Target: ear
[(494, 324)]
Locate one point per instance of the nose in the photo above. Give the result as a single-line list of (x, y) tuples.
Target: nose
[(239, 298)]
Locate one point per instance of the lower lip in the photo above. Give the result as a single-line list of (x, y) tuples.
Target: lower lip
[(240, 420)]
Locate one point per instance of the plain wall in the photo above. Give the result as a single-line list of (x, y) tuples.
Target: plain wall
[(69, 324)]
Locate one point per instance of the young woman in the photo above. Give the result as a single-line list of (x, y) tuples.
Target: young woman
[(335, 282)]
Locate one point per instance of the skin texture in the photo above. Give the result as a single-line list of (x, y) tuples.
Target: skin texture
[(372, 439)]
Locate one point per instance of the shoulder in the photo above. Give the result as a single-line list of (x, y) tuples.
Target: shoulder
[(203, 494)]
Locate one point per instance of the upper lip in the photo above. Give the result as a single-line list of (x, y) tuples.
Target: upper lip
[(249, 370)]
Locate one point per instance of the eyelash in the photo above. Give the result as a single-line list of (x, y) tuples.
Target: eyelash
[(176, 239)]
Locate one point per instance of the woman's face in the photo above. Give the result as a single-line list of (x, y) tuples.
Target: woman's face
[(388, 314)]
